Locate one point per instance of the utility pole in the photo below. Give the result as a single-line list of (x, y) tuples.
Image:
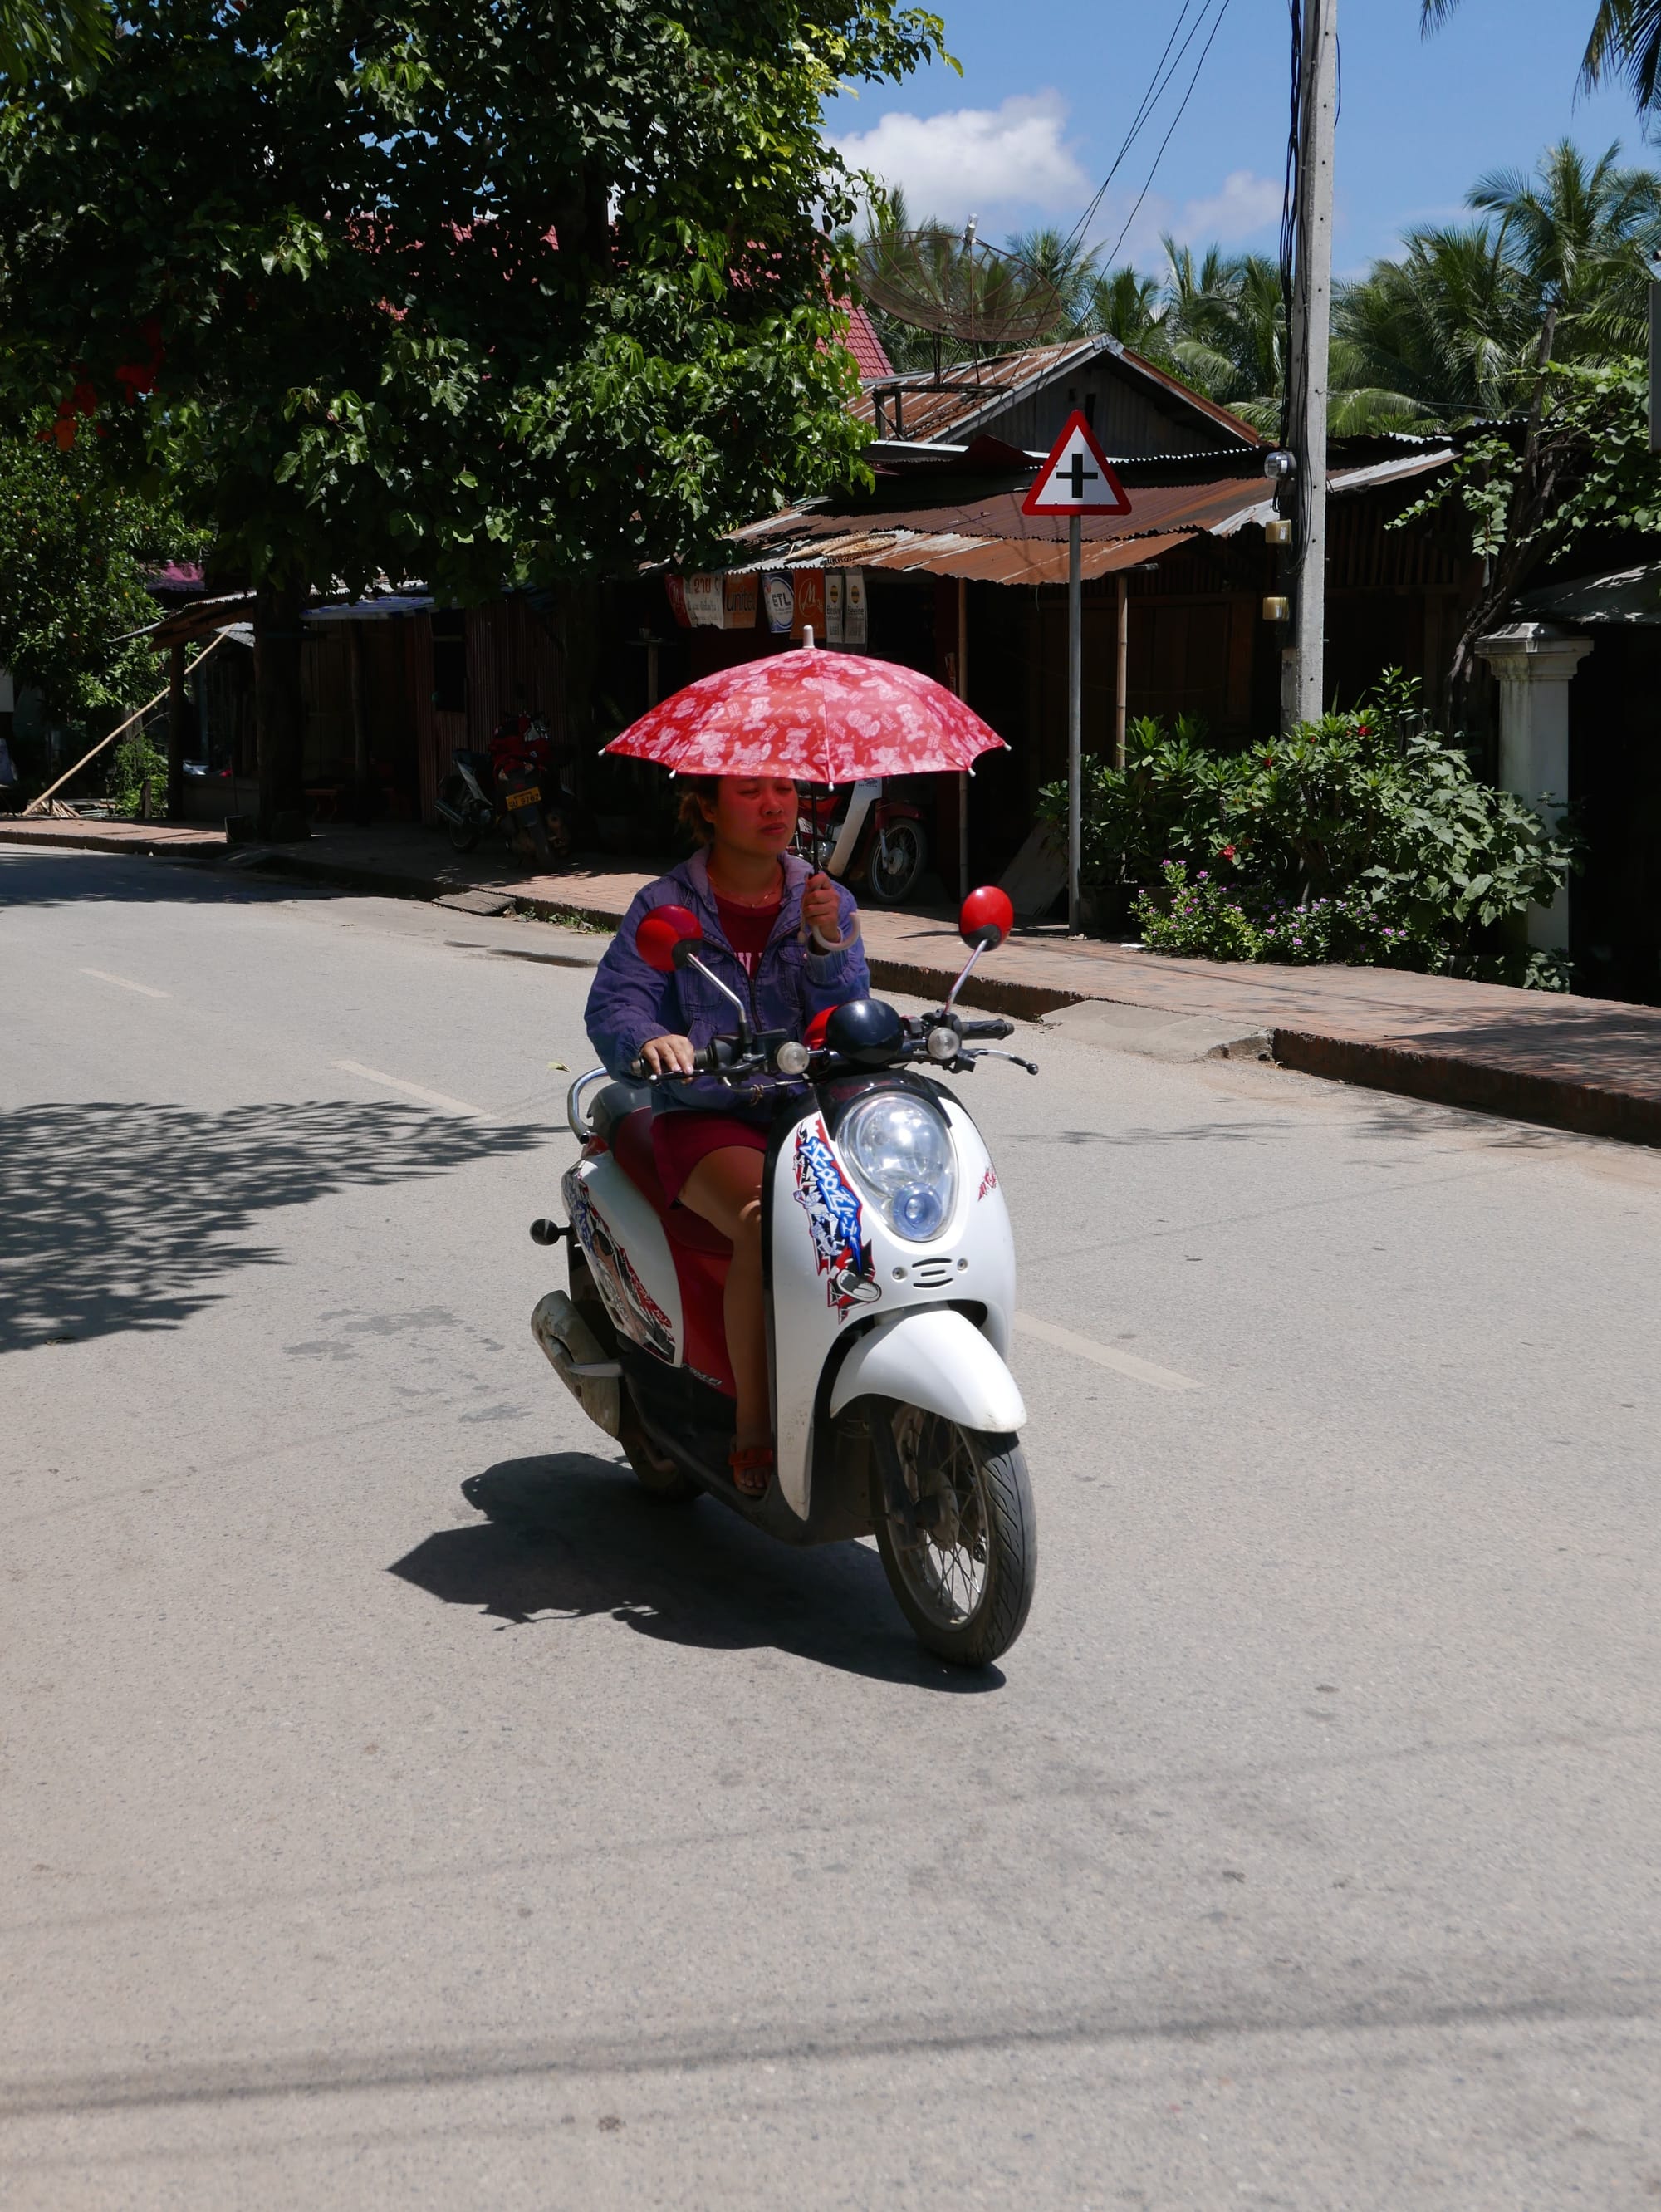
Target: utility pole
[(1303, 669)]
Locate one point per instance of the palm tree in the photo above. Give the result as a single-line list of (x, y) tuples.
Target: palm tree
[(1579, 238), (1226, 321), (1625, 44), (1439, 336), (1462, 323), (1125, 305)]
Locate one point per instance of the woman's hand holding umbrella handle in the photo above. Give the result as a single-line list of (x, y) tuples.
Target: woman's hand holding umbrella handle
[(822, 911)]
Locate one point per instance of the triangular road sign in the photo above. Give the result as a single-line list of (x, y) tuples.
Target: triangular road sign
[(1077, 478)]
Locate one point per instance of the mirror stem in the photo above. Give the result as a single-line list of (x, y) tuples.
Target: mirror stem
[(727, 992), (963, 978)]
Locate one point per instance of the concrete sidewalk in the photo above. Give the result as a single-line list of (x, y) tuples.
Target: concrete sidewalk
[(1592, 1065)]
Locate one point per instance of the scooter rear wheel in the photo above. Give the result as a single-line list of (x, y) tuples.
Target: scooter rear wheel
[(653, 1470), (956, 1530)]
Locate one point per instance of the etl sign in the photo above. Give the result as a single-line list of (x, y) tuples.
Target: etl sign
[(1077, 479)]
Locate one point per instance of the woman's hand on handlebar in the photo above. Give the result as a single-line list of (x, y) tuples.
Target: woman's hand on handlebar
[(667, 1055)]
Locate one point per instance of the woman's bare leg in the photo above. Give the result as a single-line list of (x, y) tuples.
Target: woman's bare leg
[(725, 1188)]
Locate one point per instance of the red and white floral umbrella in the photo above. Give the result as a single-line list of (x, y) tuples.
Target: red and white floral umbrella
[(820, 717)]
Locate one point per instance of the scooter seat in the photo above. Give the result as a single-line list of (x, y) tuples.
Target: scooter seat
[(631, 1147)]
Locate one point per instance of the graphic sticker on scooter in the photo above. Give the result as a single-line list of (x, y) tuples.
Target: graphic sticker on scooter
[(631, 1305), (834, 1222)]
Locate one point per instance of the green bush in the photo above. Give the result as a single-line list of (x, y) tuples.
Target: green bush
[(136, 759), (1360, 838)]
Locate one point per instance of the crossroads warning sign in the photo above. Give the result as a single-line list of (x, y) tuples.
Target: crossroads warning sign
[(1077, 478)]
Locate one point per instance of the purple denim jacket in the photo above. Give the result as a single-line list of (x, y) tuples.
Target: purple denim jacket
[(630, 1003)]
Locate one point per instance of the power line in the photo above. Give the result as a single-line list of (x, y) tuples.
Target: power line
[(1182, 110), (1156, 85)]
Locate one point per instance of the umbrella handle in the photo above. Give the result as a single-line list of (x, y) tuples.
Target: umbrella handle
[(815, 942)]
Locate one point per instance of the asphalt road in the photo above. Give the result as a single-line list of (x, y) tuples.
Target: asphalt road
[(397, 1809)]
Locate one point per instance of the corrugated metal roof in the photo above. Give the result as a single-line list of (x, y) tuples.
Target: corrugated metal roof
[(955, 553), (992, 540), (966, 393)]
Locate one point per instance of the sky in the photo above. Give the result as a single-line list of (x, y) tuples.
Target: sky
[(1048, 88)]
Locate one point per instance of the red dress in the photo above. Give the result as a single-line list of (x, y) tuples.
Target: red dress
[(681, 1139)]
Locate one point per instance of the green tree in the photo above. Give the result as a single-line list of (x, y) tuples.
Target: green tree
[(75, 550), (38, 35), (1577, 462), (509, 294)]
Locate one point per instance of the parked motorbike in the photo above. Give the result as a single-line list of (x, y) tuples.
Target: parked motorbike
[(874, 839), (514, 786), (890, 1272)]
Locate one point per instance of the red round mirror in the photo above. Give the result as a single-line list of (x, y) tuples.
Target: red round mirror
[(987, 917), (662, 932)]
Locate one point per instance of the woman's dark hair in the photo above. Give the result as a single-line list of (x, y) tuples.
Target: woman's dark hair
[(696, 793)]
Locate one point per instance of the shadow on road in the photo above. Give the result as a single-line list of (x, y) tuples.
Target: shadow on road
[(119, 1217), (575, 1537)]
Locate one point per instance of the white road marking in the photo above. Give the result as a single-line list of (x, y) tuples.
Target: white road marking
[(143, 989), (439, 1098), (1103, 1355)]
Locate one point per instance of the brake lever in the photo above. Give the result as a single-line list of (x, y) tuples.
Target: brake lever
[(991, 1052)]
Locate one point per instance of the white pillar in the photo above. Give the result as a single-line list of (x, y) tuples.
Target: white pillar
[(1535, 663)]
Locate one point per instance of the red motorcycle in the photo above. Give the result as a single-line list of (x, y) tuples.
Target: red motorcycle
[(874, 839), (516, 785)]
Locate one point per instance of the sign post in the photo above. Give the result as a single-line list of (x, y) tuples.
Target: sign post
[(1077, 480)]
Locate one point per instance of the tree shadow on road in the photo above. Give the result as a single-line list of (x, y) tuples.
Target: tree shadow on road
[(121, 1217), (574, 1537)]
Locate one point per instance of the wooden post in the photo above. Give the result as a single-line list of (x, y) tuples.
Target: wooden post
[(177, 707), (1122, 680)]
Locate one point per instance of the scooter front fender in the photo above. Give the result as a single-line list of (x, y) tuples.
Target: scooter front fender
[(934, 1358)]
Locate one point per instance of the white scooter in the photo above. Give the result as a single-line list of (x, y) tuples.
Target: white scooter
[(890, 1272)]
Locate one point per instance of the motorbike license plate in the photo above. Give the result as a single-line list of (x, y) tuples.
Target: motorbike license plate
[(530, 796)]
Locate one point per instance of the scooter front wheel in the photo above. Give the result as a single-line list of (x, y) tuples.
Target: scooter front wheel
[(956, 1530)]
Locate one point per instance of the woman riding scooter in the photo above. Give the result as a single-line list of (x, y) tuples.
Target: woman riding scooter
[(788, 941)]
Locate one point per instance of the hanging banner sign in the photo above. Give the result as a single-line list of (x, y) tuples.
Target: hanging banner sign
[(778, 597), (809, 603), (853, 606), (1077, 478), (675, 587), (738, 598), (706, 602), (833, 606)]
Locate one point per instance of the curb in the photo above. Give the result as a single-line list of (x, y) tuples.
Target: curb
[(1441, 1079), (1447, 1080)]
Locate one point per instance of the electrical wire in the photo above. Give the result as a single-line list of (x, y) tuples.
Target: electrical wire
[(1150, 98), (1147, 181)]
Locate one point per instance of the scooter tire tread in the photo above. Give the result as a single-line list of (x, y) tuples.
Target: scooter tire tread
[(665, 1482), (996, 1624)]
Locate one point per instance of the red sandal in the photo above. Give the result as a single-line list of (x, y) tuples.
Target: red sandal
[(752, 1469)]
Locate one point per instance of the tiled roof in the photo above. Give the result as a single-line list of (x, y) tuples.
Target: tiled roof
[(866, 346)]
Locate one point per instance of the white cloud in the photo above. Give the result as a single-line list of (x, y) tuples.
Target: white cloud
[(1246, 204), (1243, 208), (975, 160)]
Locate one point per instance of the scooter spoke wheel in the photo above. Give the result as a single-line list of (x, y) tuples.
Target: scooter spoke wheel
[(955, 1528), (896, 862), (463, 835)]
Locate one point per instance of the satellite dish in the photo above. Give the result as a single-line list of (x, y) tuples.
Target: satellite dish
[(957, 287)]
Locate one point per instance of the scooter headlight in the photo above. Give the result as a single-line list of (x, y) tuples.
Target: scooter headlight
[(900, 1151)]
